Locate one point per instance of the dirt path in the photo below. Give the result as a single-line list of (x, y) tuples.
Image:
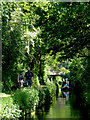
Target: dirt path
[(41, 85), (5, 95)]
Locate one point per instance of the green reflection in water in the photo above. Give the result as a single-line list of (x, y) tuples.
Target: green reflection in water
[(62, 110)]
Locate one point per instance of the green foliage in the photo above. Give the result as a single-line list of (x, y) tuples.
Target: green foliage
[(59, 32), (42, 95), (58, 81), (36, 81), (26, 98), (79, 75), (12, 43), (52, 32), (46, 93), (64, 70), (30, 98), (58, 78), (1, 85), (76, 71), (9, 109), (51, 87), (52, 60)]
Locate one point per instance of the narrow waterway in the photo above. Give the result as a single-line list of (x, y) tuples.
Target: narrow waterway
[(60, 108)]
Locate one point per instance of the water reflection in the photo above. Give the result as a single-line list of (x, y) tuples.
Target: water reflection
[(66, 95)]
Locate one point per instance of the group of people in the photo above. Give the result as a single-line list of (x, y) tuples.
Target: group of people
[(25, 79)]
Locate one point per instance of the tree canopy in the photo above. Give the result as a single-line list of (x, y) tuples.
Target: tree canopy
[(38, 33)]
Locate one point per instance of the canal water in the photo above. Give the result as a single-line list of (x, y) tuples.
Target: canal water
[(60, 108)]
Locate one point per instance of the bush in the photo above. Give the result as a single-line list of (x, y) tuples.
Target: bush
[(79, 74), (42, 95), (8, 109), (26, 98), (51, 89), (46, 93), (29, 98)]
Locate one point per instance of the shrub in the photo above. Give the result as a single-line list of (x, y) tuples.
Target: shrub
[(9, 110), (46, 93), (30, 98), (26, 98), (79, 74), (51, 89), (42, 95)]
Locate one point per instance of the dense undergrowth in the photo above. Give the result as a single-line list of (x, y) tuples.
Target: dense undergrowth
[(79, 73), (8, 109), (26, 100)]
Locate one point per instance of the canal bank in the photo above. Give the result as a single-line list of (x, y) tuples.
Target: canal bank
[(59, 108)]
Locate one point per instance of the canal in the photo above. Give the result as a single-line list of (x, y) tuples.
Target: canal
[(61, 107)]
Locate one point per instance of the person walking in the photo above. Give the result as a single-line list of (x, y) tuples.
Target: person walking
[(21, 79), (29, 77)]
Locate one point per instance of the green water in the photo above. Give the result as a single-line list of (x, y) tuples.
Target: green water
[(60, 108)]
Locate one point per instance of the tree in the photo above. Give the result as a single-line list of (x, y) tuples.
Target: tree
[(64, 27), (12, 42)]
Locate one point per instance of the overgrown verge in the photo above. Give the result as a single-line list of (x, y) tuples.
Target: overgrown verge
[(79, 72), (26, 100), (29, 99), (8, 109)]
